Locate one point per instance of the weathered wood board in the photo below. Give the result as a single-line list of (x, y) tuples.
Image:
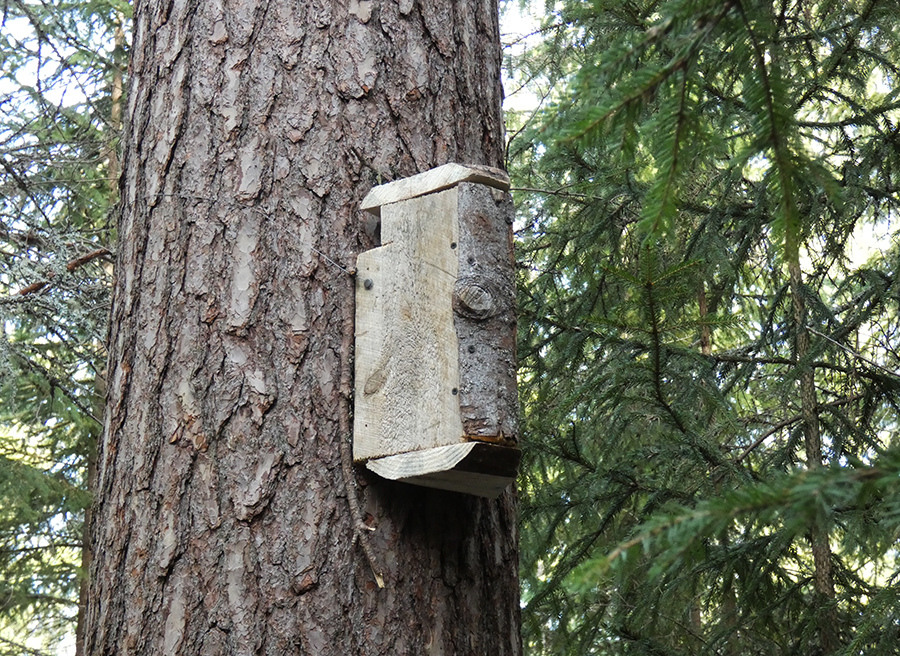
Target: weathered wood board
[(435, 331), (471, 467), (437, 179), (484, 313), (406, 358)]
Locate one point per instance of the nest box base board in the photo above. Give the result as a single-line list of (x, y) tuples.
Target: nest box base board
[(471, 467)]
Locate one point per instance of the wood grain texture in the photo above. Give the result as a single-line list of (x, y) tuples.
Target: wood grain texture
[(437, 179), (407, 369), (485, 315), (472, 467)]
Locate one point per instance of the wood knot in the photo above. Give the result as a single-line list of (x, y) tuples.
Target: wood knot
[(375, 382), (475, 299)]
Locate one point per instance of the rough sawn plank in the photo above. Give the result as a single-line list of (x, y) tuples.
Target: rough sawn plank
[(437, 179)]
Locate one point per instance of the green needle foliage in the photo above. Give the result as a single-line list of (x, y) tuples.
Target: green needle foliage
[(709, 260), (60, 82)]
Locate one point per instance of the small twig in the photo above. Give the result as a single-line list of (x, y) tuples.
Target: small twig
[(84, 259), (33, 288), (555, 192), (787, 422), (360, 529), (365, 161), (78, 262), (315, 250), (855, 354), (349, 272)]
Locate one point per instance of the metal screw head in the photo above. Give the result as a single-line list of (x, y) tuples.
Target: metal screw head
[(368, 284)]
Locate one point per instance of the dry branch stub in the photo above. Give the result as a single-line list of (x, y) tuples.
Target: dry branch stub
[(436, 402)]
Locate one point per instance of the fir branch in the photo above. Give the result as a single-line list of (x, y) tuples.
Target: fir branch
[(784, 423), (776, 140), (22, 649), (856, 354), (657, 358), (660, 202)]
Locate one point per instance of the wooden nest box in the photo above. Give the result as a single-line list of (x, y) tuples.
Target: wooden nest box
[(435, 400)]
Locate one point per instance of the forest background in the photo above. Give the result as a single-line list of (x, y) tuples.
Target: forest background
[(708, 257)]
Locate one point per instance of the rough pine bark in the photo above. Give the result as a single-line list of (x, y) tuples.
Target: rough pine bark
[(222, 521)]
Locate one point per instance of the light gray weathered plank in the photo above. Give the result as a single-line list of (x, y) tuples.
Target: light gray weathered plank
[(407, 370), (437, 179)]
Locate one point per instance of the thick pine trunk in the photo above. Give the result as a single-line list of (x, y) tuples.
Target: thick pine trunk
[(222, 522)]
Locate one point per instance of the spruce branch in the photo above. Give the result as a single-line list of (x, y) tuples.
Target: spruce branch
[(784, 423), (856, 354)]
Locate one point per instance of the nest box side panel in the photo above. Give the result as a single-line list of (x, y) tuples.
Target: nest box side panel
[(407, 370), (485, 316)]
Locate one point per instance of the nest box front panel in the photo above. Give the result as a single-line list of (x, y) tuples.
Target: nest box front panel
[(407, 365), (484, 313)]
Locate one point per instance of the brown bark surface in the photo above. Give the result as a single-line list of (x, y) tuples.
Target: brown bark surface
[(485, 316), (222, 523)]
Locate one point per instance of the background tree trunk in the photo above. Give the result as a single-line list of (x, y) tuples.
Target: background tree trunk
[(823, 579), (222, 523)]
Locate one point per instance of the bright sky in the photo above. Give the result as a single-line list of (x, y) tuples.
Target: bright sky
[(517, 32)]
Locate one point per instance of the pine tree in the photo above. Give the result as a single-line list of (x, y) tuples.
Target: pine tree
[(225, 516), (709, 370)]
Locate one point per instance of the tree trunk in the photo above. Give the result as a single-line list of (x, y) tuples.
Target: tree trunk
[(823, 581), (222, 523), (114, 127)]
